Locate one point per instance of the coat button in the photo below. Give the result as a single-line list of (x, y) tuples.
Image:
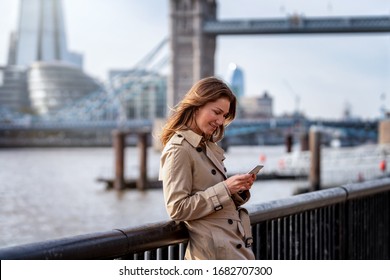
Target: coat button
[(199, 149), (230, 221), (238, 246), (213, 172), (179, 135), (225, 169)]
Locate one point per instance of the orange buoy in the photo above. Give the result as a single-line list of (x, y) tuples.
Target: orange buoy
[(262, 158), (281, 164), (382, 165)]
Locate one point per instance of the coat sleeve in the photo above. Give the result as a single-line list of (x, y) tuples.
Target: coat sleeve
[(181, 203), (241, 198)]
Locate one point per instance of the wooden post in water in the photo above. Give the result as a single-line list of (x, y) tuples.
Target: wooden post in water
[(304, 141), (289, 142), (142, 151), (119, 150), (315, 159), (384, 132)]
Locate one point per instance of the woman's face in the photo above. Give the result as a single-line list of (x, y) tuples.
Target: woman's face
[(210, 116)]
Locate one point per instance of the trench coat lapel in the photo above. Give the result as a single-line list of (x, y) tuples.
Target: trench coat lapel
[(215, 154)]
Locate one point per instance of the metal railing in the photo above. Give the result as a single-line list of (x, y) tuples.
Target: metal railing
[(346, 222)]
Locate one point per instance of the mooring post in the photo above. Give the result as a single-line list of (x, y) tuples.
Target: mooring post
[(304, 141), (315, 159), (119, 150), (142, 151), (289, 143)]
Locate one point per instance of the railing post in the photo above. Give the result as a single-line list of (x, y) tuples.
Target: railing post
[(142, 150), (315, 159), (119, 150)]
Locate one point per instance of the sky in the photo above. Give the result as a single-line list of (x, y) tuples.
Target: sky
[(318, 75)]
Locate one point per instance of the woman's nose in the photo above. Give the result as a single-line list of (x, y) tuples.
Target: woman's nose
[(220, 120)]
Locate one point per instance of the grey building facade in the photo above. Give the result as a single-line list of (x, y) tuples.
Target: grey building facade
[(142, 93)]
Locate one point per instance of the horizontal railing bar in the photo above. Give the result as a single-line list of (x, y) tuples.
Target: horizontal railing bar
[(89, 246), (155, 236), (296, 204), (103, 245), (313, 200), (367, 188)]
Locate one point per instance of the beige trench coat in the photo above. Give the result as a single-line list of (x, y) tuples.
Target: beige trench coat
[(195, 193)]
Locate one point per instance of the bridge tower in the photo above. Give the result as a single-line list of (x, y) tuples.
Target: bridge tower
[(192, 50)]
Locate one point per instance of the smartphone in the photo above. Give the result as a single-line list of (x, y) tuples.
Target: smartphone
[(256, 169)]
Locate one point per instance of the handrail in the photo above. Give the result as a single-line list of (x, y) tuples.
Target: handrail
[(295, 204), (367, 188), (120, 243), (312, 200), (102, 245)]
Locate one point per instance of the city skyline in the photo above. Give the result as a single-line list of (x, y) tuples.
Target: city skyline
[(318, 74)]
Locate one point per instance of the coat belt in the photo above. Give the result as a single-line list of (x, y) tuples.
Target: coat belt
[(245, 226)]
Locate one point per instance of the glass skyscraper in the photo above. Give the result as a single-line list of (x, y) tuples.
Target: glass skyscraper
[(235, 79), (41, 34)]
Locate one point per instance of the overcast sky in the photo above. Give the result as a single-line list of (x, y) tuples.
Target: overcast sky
[(318, 74)]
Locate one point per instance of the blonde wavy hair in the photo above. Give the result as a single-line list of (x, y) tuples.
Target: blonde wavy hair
[(204, 91)]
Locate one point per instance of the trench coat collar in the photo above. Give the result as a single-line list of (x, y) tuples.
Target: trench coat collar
[(213, 151), (193, 138)]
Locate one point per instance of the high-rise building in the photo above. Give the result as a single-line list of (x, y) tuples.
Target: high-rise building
[(235, 79), (41, 34)]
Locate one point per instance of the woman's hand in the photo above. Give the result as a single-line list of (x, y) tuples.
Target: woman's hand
[(240, 182)]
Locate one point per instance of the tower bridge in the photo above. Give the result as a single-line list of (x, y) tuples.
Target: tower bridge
[(298, 25), (194, 27)]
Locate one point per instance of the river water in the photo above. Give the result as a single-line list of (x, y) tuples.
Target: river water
[(50, 193)]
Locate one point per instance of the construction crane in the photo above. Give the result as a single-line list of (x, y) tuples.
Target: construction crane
[(296, 96)]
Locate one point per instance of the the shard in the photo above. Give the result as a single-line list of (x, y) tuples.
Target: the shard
[(41, 34)]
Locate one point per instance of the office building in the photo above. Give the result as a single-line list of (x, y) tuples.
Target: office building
[(13, 89), (235, 79), (143, 93), (257, 106), (53, 85)]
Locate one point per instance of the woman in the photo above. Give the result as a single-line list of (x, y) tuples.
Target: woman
[(196, 188)]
